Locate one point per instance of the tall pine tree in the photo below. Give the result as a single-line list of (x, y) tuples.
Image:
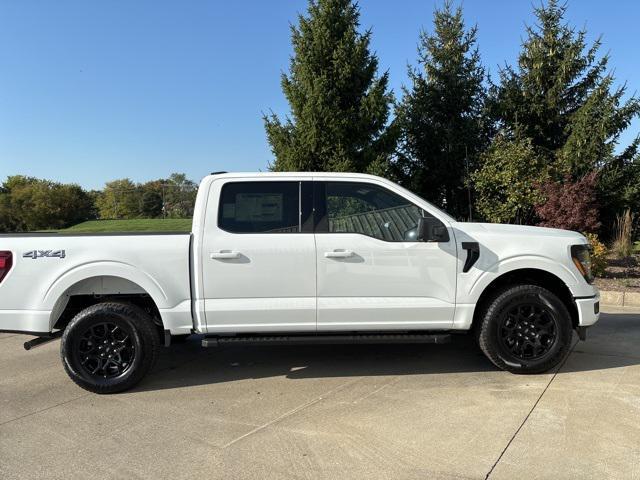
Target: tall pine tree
[(562, 97), (339, 105), (440, 116)]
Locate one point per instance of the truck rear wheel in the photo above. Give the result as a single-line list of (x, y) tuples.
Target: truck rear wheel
[(525, 329), (109, 347)]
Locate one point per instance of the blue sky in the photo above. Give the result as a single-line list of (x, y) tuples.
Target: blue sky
[(96, 90)]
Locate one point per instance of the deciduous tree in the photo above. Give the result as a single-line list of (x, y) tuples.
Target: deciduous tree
[(28, 203), (570, 204), (120, 199), (507, 182)]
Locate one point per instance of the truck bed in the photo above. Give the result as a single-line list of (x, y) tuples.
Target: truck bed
[(50, 267)]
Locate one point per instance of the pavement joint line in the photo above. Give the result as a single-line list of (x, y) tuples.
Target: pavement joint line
[(291, 412), (379, 389), (45, 409), (530, 412)]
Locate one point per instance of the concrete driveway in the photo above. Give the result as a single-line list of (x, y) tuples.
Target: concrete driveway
[(433, 411)]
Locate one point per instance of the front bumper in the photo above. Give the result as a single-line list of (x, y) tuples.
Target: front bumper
[(588, 310)]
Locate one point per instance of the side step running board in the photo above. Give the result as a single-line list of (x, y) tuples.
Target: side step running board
[(327, 339)]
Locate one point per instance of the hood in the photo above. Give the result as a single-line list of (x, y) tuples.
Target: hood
[(517, 230)]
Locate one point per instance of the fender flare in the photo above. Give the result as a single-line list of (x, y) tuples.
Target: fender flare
[(103, 269), (522, 262)]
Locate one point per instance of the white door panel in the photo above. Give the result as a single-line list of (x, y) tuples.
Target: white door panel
[(384, 285), (383, 313), (262, 314), (381, 269), (373, 274), (256, 282), (267, 266)]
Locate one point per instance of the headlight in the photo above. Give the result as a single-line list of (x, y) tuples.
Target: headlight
[(581, 256)]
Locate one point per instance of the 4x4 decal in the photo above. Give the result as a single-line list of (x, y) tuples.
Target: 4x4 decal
[(33, 254)]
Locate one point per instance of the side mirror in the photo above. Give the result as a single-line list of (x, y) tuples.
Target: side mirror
[(430, 229)]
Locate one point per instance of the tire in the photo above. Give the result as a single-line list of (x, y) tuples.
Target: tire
[(525, 329), (109, 347)]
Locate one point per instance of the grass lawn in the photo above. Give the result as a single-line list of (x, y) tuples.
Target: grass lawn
[(135, 225)]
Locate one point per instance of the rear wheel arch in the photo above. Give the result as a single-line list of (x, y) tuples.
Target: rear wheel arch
[(101, 278), (98, 289)]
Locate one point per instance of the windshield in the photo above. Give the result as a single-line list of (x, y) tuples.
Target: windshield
[(442, 212)]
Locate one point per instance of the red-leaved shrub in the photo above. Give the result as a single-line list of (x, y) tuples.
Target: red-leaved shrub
[(570, 205)]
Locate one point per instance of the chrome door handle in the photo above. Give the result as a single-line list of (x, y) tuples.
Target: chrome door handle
[(224, 254), (339, 254)]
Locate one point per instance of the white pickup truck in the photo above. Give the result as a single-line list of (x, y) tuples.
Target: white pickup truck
[(298, 257)]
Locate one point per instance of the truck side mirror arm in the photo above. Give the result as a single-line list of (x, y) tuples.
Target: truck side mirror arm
[(430, 229)]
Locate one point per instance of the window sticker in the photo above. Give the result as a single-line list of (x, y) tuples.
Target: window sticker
[(229, 210), (259, 207)]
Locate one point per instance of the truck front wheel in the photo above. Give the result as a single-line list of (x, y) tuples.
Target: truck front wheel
[(525, 329), (109, 347)]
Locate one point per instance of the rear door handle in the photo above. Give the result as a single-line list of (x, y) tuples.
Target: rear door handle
[(339, 254), (224, 254)]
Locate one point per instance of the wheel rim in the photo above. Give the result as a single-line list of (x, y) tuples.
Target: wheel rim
[(528, 331), (106, 350)]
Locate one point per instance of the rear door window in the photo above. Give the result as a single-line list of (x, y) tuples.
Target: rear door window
[(260, 207)]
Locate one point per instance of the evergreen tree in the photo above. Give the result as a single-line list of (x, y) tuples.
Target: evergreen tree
[(562, 98), (339, 105), (552, 81), (441, 116), (619, 187)]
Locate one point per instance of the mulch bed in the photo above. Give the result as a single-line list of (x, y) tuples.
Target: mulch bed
[(621, 275)]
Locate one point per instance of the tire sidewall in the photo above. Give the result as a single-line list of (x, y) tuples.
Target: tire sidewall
[(537, 296), (143, 341), (72, 357)]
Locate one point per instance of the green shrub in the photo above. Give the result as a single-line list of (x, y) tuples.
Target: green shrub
[(598, 254)]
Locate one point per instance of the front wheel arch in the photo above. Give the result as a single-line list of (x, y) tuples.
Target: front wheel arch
[(527, 276)]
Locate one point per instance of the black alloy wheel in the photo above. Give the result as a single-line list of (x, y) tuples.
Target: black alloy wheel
[(108, 347), (106, 350), (524, 329), (528, 331)]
